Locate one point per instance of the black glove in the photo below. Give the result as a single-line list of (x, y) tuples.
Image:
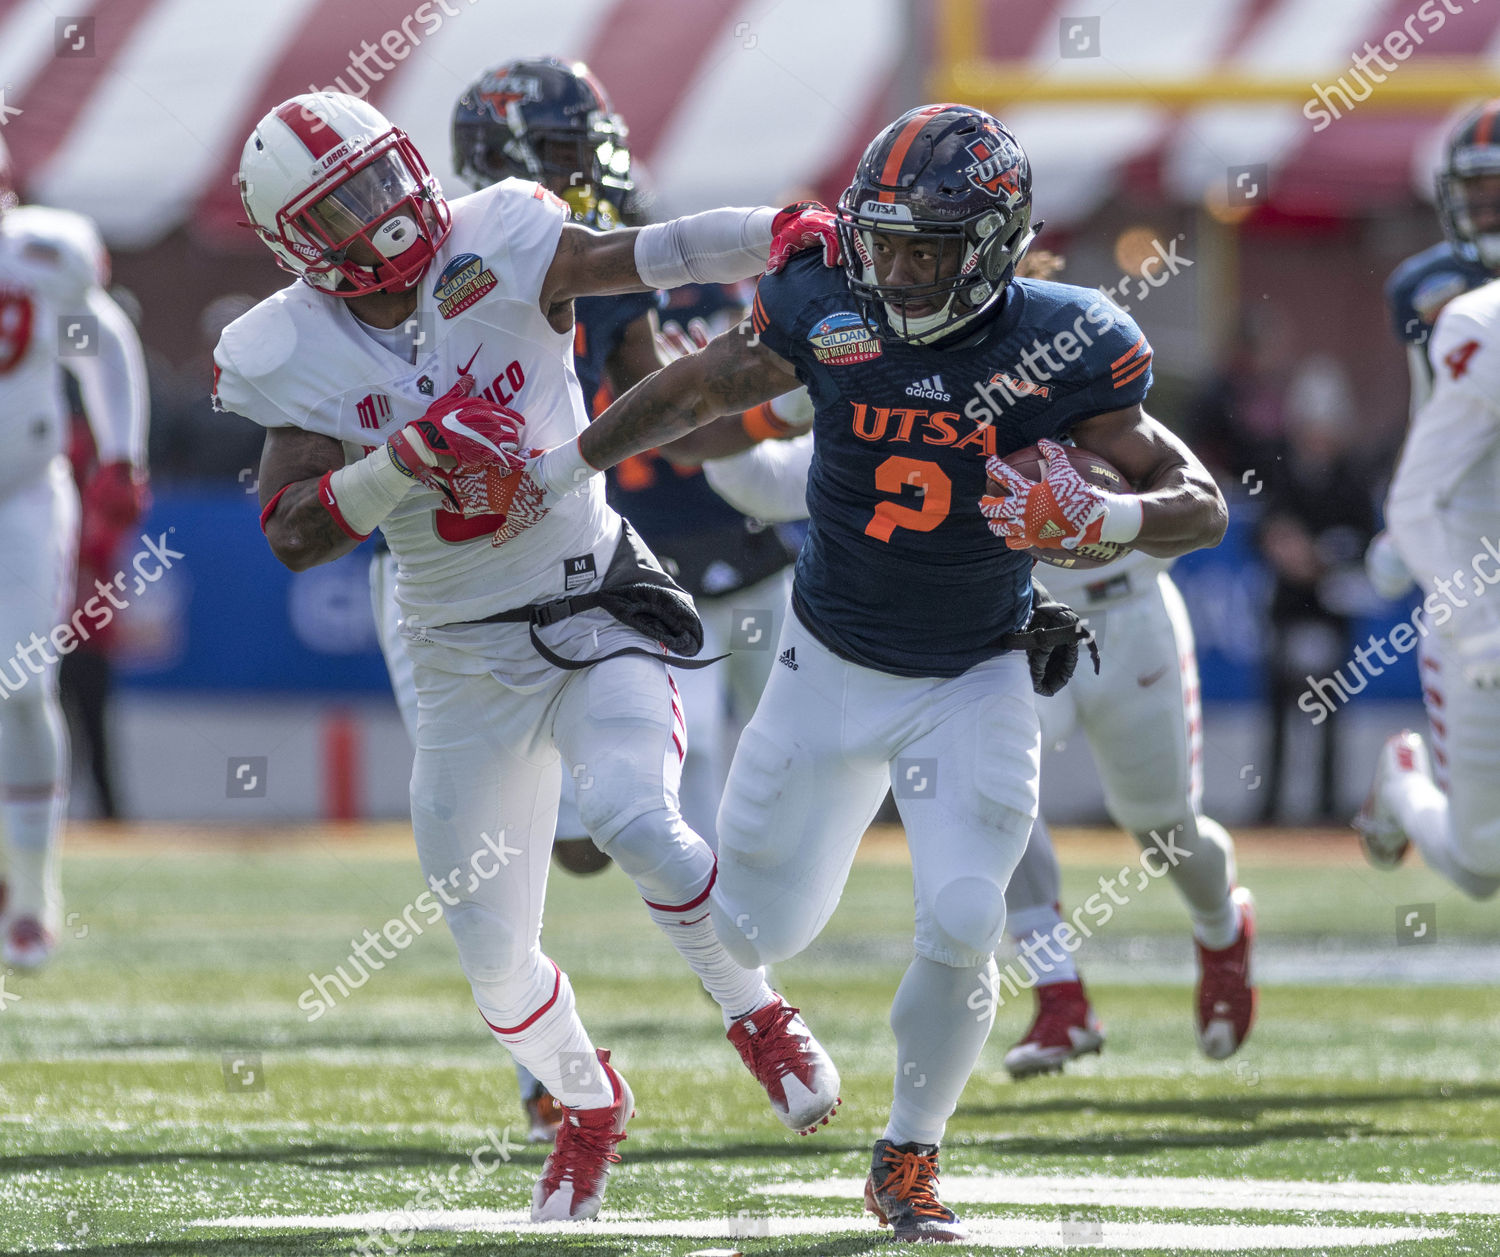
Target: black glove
[(1050, 640)]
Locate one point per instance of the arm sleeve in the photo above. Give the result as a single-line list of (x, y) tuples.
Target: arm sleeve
[(113, 384), (715, 247), (768, 481)]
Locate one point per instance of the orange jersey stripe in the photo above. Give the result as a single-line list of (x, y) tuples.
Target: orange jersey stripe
[(1120, 382), (1128, 354), (758, 319)]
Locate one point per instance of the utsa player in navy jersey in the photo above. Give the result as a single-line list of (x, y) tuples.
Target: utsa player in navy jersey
[(1468, 205), (926, 362)]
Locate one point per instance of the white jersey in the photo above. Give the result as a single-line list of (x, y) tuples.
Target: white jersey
[(1080, 588), (300, 359), (50, 261), (1444, 500)]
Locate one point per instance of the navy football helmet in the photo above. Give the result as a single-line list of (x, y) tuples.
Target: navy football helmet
[(551, 121), (1468, 187), (953, 178)]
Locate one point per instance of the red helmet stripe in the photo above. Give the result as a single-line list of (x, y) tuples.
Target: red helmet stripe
[(891, 171), (317, 136)]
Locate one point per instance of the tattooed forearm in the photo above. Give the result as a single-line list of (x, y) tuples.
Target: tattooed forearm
[(302, 532), (731, 374)]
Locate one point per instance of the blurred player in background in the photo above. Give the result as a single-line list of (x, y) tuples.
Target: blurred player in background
[(367, 375), (1143, 721), (54, 313), (1443, 522), (910, 598), (1468, 198)]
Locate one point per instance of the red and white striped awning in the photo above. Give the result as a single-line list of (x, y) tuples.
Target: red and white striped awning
[(728, 101)]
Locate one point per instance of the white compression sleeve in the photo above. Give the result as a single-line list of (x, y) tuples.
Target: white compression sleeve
[(714, 247), (767, 482)]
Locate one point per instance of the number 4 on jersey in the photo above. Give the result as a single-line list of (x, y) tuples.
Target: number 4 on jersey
[(1457, 361)]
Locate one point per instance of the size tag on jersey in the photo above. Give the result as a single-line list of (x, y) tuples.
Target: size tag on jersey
[(578, 572)]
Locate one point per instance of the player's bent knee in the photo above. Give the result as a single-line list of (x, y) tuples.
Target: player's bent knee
[(968, 916), (612, 791), (491, 949)]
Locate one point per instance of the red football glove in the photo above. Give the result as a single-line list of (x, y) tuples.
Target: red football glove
[(805, 225), (460, 446), (115, 497), (1060, 512)]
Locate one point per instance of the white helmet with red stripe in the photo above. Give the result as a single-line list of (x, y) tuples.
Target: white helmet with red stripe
[(342, 197)]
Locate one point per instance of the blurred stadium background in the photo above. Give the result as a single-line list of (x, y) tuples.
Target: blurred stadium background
[(1149, 123)]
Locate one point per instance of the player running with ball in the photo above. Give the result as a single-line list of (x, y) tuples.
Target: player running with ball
[(909, 588), (370, 427)]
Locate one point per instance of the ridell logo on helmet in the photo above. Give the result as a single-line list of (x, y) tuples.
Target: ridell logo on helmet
[(995, 168)]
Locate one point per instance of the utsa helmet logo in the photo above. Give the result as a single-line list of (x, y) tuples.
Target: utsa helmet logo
[(994, 169), (500, 93)]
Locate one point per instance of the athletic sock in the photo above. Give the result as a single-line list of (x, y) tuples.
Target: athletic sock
[(939, 1035), (737, 991), (546, 1036), (1035, 933)]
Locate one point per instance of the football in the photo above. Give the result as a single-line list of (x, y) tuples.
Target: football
[(1097, 471)]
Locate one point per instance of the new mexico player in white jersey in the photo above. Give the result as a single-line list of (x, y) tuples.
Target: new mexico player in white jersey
[(54, 313), (1443, 515), (362, 433)]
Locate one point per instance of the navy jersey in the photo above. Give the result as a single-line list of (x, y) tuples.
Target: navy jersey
[(1423, 284), (900, 572), (599, 325), (709, 546)]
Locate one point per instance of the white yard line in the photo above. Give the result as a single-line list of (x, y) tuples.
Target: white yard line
[(984, 1233), (1186, 1193)]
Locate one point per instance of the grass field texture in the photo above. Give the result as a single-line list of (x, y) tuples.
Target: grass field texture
[(162, 1093)]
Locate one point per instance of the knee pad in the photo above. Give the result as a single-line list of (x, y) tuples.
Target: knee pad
[(968, 918), (508, 1003), (612, 789), (494, 953), (669, 864)]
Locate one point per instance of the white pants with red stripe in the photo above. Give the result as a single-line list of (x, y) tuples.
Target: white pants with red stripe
[(1143, 720), (1465, 728), (495, 726)]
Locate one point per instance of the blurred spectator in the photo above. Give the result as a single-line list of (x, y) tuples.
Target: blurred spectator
[(1318, 517), (1237, 421), (188, 440)]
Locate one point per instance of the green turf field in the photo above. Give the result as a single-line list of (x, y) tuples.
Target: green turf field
[(161, 1079)]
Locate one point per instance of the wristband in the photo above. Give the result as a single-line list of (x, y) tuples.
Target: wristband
[(359, 496), (563, 469), (1122, 518)]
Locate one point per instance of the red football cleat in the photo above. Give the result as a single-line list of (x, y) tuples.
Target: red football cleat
[(572, 1184), (1226, 998), (1064, 1028), (28, 943), (779, 1049)]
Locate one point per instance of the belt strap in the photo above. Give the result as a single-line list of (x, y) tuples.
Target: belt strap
[(545, 614)]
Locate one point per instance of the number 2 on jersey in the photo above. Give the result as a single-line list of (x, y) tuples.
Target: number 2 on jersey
[(15, 329), (930, 480)]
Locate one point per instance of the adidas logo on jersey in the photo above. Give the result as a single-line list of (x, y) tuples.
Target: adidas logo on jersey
[(930, 388), (789, 657)]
